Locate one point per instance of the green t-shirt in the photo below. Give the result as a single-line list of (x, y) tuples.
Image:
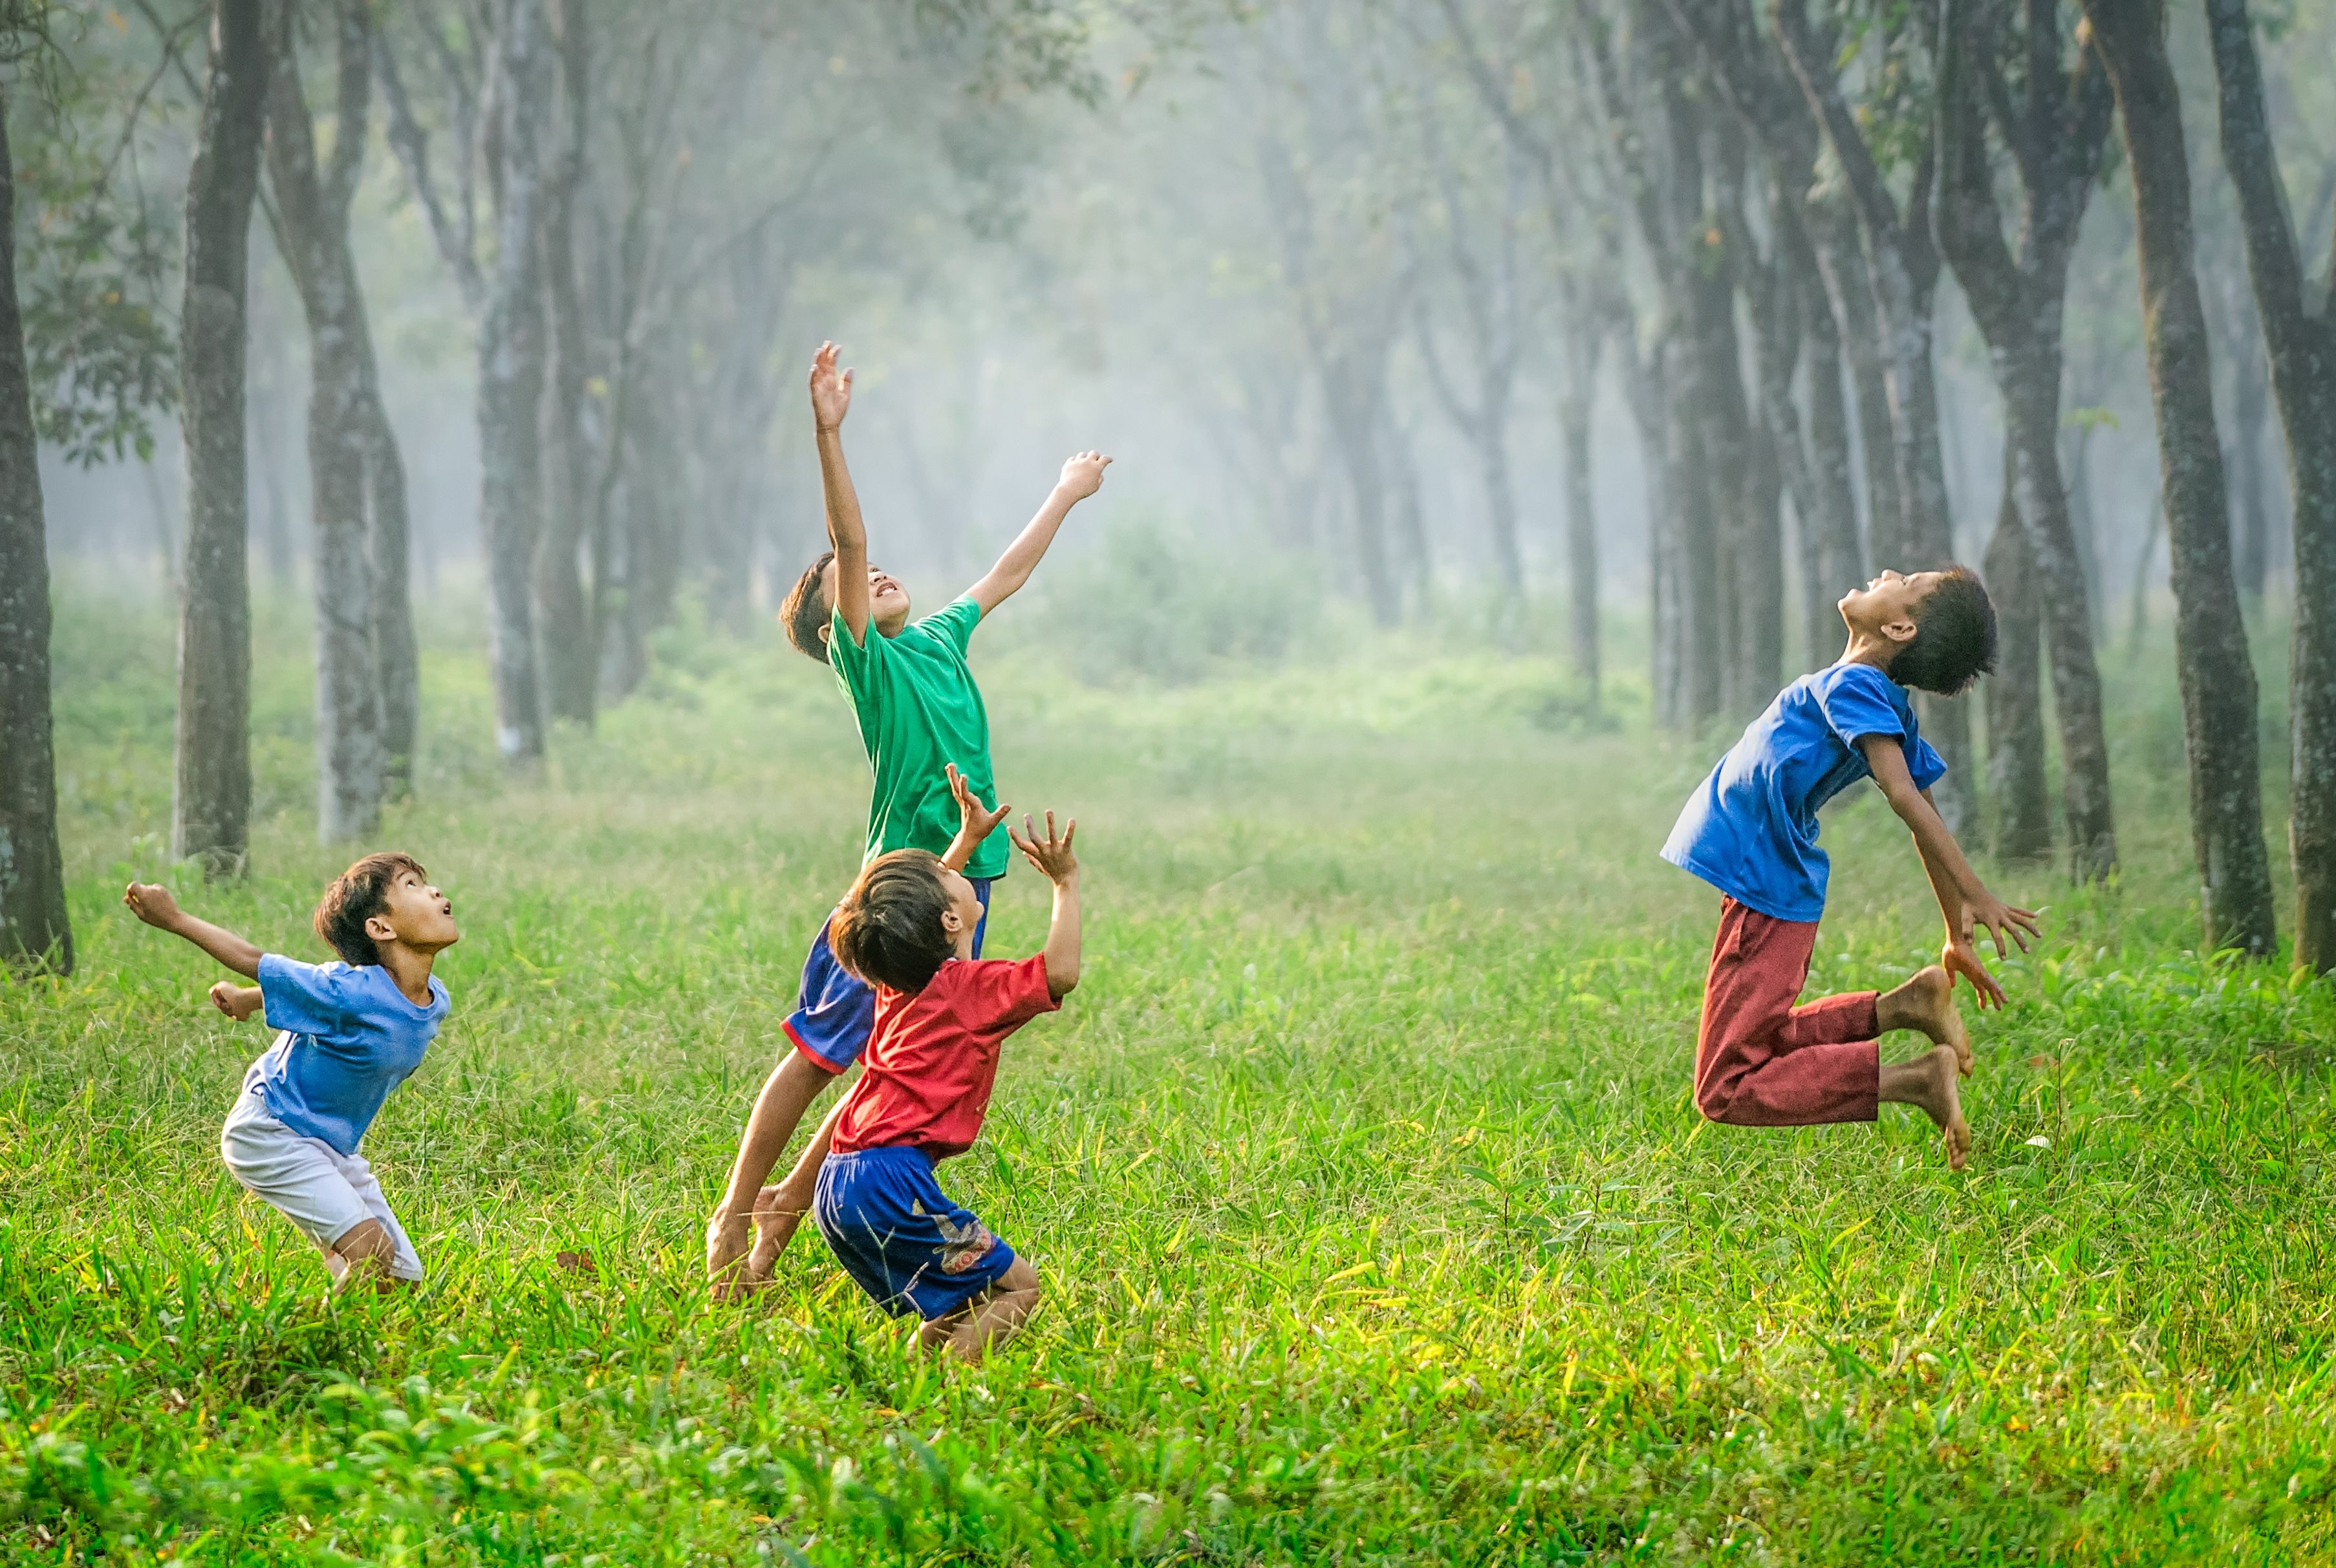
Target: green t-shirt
[(918, 709)]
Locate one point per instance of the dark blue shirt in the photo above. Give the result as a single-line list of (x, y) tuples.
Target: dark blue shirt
[(1751, 830), (350, 1035)]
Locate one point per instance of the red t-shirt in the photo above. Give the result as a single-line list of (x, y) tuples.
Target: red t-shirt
[(932, 1056)]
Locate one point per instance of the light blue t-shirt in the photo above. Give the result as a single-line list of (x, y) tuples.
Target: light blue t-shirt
[(1751, 829), (349, 1037)]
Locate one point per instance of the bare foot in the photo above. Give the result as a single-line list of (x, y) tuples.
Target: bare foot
[(1927, 1002), (775, 1227), (1928, 1082)]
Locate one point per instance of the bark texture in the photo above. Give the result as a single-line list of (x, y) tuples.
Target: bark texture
[(1584, 339), (2218, 678), (2016, 786), (34, 930), (2055, 130), (312, 210), (565, 630), (2300, 339), (210, 806)]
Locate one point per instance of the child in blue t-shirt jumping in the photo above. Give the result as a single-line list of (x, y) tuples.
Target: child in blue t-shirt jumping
[(1751, 831), (349, 1033)]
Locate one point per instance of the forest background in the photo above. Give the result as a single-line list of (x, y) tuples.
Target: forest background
[(1502, 395)]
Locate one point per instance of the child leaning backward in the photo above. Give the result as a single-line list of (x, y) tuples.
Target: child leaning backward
[(920, 714), (908, 928), (349, 1033), (1751, 831)]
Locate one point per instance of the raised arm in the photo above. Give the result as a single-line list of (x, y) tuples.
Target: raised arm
[(154, 905), (1052, 857), (1082, 476), (831, 400), (1964, 900)]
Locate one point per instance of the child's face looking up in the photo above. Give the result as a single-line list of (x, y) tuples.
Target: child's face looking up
[(888, 601), (416, 914), (1885, 607), (963, 916)]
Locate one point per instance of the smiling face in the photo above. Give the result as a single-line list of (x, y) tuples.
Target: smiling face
[(888, 601), (1885, 607), (415, 914)]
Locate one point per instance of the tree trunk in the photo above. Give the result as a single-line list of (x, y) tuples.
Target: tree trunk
[(1354, 396), (510, 388), (1693, 538), (311, 215), (211, 804), (2301, 338), (2218, 680), (393, 602), (1837, 563), (1651, 405), (1575, 399), (35, 930), (2015, 696), (563, 616)]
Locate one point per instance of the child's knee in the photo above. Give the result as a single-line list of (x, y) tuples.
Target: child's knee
[(1020, 1279)]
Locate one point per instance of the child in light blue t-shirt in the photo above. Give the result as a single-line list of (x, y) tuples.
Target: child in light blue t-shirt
[(350, 1032)]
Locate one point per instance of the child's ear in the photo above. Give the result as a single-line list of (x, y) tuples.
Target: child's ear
[(378, 928), (822, 633), (1901, 630), (952, 922)]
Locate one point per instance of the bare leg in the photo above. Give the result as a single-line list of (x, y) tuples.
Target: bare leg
[(363, 1257), (1927, 1002), (786, 1093), (990, 1319), (1929, 1082), (779, 1210)]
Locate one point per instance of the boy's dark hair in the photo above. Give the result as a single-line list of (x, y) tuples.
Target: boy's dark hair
[(802, 613), (1954, 637), (357, 895), (888, 931)]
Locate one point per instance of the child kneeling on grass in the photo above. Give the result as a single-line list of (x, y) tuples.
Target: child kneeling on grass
[(1751, 831), (941, 1015), (350, 1032)]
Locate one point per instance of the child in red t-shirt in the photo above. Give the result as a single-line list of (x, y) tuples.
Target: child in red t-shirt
[(908, 928)]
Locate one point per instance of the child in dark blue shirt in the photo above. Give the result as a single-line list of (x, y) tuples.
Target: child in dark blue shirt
[(350, 1032), (1751, 831)]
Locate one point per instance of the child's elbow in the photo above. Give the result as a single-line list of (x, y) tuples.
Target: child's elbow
[(1062, 982)]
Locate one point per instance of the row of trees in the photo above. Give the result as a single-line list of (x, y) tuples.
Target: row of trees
[(621, 196), (1747, 211)]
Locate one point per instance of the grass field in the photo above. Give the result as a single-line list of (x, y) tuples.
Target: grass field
[(1376, 1221)]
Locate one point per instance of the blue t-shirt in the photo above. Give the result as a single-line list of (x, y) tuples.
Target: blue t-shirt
[(1751, 829), (349, 1037)]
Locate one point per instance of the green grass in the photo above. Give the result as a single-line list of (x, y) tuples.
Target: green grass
[(1376, 1220)]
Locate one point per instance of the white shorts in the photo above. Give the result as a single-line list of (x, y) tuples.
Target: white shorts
[(324, 1192)]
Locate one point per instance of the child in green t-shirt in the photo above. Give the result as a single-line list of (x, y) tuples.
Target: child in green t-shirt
[(920, 719)]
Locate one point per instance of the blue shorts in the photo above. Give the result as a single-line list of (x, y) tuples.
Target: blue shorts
[(896, 1232), (835, 1010)]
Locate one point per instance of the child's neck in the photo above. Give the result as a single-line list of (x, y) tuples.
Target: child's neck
[(1869, 648), (410, 967)]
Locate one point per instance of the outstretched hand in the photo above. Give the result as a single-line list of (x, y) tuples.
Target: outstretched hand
[(152, 902), (975, 821), (1051, 855), (1083, 474), (2007, 923), (830, 393), (1958, 957)]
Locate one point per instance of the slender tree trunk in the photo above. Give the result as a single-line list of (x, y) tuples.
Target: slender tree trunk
[(2015, 695), (1354, 396), (1693, 540), (211, 804), (1650, 406), (2218, 678), (2244, 453), (1838, 563), (313, 233), (1409, 529), (510, 388), (1575, 399), (392, 602), (34, 930), (563, 616), (2300, 339)]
